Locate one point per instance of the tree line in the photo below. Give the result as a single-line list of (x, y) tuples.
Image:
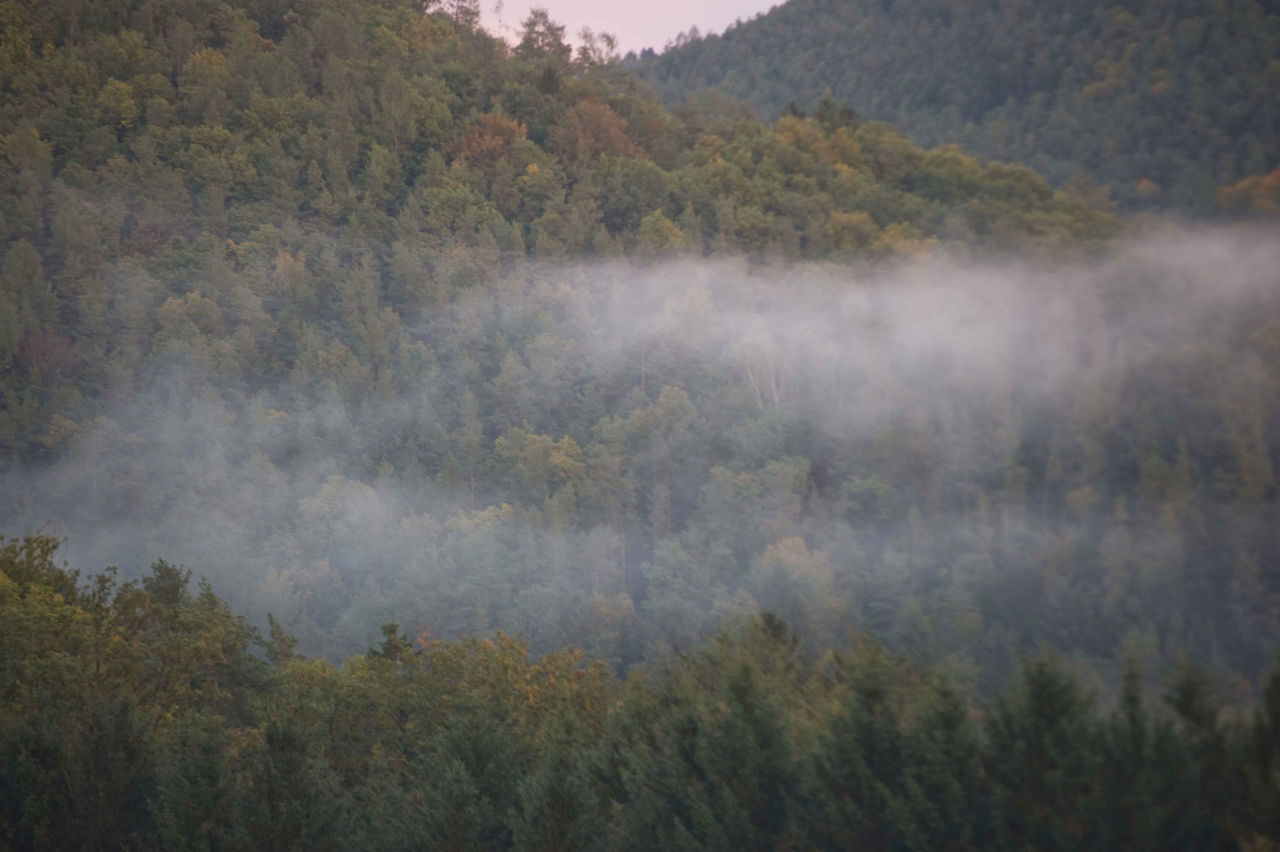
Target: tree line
[(145, 715)]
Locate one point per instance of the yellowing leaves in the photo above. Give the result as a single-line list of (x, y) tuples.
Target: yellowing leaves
[(592, 129), (117, 103), (1256, 194), (805, 134), (489, 138)]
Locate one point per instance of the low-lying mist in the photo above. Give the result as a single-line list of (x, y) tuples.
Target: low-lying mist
[(968, 459)]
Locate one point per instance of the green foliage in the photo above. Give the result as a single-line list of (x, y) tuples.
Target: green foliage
[(237, 236), (1155, 104), (94, 680), (182, 197), (745, 743)]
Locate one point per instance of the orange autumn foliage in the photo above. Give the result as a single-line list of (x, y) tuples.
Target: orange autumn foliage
[(488, 139), (592, 129)]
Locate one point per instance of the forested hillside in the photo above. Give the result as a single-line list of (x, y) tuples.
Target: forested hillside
[(1158, 102), (364, 316), (280, 182), (836, 491)]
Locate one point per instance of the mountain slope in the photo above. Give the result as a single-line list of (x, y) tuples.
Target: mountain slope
[(151, 152), (1161, 102), (331, 302)]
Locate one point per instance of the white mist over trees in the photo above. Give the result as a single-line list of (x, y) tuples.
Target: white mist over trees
[(966, 459), (437, 356)]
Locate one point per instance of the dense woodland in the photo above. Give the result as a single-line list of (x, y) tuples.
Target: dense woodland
[(1156, 103), (279, 182), (830, 487), (138, 715)]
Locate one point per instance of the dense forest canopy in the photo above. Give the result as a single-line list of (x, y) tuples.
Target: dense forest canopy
[(887, 493), (1157, 102), (143, 715), (340, 226), (282, 182), (365, 315)]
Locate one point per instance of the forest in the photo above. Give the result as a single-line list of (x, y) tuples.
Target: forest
[(1168, 105), (143, 715), (458, 448)]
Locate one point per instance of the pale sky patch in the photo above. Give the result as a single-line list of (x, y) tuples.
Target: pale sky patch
[(636, 24)]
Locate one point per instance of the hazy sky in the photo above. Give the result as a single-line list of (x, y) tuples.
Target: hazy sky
[(636, 24)]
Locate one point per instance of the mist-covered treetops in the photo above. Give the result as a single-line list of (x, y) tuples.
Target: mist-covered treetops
[(400, 298), (561, 470), (966, 459), (218, 166)]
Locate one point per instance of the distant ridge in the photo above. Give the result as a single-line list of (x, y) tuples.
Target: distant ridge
[(1161, 102)]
